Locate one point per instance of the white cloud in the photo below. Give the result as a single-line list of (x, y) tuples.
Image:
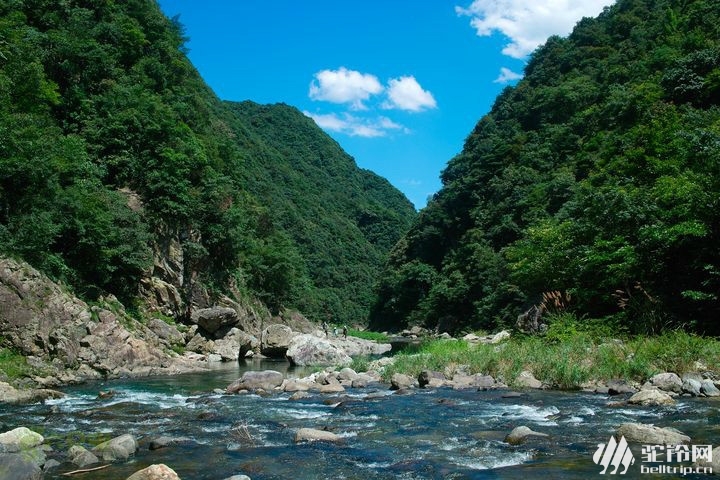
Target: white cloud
[(528, 23), (507, 75), (356, 126), (405, 93), (344, 86)]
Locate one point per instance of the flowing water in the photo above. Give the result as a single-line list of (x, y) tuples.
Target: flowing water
[(427, 434)]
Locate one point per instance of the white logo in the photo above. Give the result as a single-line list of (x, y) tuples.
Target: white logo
[(614, 454)]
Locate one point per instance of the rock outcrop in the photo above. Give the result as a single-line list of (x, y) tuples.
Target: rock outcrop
[(314, 435), (40, 319), (266, 380), (307, 349), (275, 340), (650, 434)]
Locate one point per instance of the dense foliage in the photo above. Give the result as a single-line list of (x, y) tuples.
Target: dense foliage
[(110, 141), (596, 176)]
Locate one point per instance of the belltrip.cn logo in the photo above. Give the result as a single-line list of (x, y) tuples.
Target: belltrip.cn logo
[(614, 454)]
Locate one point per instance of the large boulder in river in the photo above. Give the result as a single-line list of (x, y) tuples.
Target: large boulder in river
[(82, 457), (651, 398), (234, 345), (314, 435), (668, 382), (650, 434), (308, 349), (276, 340), (10, 394), (520, 434), (16, 466), (155, 472), (119, 448), (19, 439), (256, 380), (213, 319)]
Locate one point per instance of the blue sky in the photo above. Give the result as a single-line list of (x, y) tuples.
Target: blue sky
[(398, 84)]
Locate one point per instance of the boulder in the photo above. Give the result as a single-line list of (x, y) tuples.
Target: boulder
[(479, 381), (527, 380), (308, 350), (164, 442), (520, 434), (691, 386), (234, 345), (213, 319), (708, 388), (81, 457), (347, 374), (650, 434), (400, 381), (499, 337), (313, 435), (238, 477), (651, 398), (619, 387), (256, 380), (668, 382), (155, 472), (17, 466), (296, 385), (332, 388), (119, 448), (359, 347), (10, 394), (276, 340), (430, 378), (19, 439)]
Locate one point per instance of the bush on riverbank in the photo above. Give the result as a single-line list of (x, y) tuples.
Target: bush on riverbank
[(566, 363)]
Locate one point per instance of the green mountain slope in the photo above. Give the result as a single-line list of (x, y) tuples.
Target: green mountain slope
[(597, 176), (110, 143)]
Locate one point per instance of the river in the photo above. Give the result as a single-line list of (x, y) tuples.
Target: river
[(427, 434)]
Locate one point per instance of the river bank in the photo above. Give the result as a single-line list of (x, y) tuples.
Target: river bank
[(189, 423)]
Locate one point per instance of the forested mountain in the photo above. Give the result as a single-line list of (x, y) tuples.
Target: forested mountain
[(111, 143), (596, 177)]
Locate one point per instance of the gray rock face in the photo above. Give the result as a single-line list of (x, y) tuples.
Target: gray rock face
[(618, 387), (669, 382), (357, 347), (41, 319), (651, 397), (215, 318), (16, 466), (313, 435), (256, 380), (311, 350), (520, 434), (650, 434), (119, 448), (81, 457), (276, 340), (169, 334), (234, 345)]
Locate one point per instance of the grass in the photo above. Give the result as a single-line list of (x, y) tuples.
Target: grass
[(367, 335), (13, 365), (565, 364)]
